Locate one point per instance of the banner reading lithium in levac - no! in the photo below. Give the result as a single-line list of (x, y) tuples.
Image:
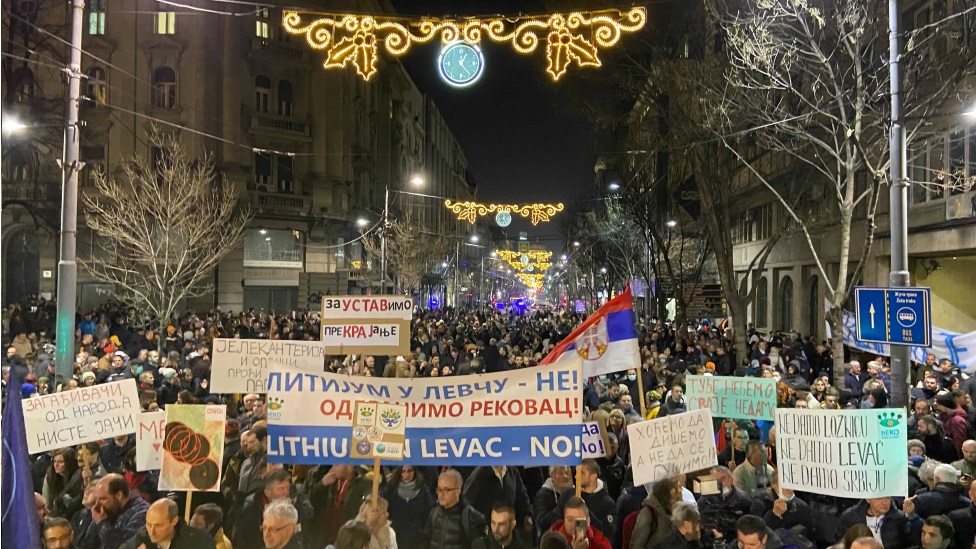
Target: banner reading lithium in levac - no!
[(523, 417)]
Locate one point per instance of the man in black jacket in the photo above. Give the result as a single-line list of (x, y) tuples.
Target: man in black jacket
[(603, 509), (720, 511), (947, 495), (893, 528), (964, 521), (452, 524), (487, 486), (165, 528)]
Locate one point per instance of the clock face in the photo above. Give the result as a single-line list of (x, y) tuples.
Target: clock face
[(503, 219), (461, 64)]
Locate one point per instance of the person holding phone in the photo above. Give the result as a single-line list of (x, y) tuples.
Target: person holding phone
[(575, 527)]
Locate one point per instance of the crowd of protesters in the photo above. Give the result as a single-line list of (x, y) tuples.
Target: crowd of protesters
[(92, 496)]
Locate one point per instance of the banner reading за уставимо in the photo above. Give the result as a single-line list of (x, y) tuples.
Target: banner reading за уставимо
[(523, 417)]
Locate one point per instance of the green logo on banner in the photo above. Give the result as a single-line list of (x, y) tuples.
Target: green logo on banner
[(890, 422)]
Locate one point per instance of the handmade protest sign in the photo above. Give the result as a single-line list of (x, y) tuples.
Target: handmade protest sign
[(672, 445), (149, 440), (843, 452), (523, 417), (366, 324), (241, 365), (83, 415), (378, 431), (193, 447), (592, 443), (733, 397)]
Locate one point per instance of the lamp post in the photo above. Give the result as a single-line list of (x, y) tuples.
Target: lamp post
[(70, 166), (415, 181)]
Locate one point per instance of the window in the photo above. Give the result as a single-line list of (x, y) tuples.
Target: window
[(24, 85), (94, 158), (15, 169), (762, 303), (263, 26), (262, 93), (96, 89), (284, 98), (262, 171), (815, 307), (96, 17), (165, 19), (763, 216), (786, 305), (280, 248), (285, 179), (164, 88), (341, 253)]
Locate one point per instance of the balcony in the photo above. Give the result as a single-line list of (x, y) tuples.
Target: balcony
[(277, 49), (267, 257), (281, 203), (278, 126)]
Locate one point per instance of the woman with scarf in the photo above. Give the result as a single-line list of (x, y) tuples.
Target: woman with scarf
[(408, 502), (377, 519)]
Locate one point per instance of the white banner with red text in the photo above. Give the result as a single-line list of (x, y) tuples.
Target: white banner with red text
[(83, 415), (531, 416)]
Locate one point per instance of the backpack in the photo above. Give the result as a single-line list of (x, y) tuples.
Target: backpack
[(631, 520)]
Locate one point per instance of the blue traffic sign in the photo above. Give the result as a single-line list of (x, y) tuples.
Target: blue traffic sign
[(900, 316)]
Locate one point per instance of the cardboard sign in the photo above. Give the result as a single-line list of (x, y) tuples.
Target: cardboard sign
[(531, 416), (365, 337), (733, 397), (149, 440), (193, 448), (378, 431), (592, 443), (241, 365), (85, 414), (360, 307), (668, 446), (843, 452)]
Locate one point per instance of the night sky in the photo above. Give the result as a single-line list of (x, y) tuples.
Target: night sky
[(523, 139)]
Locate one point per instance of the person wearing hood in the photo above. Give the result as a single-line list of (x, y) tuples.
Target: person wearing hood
[(546, 510), (410, 501), (953, 419), (947, 494), (487, 485), (593, 490), (653, 404)]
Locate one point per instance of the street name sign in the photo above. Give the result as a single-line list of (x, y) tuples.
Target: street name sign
[(899, 316)]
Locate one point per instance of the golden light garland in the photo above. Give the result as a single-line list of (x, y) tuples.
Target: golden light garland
[(531, 280), (533, 260), (471, 211), (537, 255), (570, 38)]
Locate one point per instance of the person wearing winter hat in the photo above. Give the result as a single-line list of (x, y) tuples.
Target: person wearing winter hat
[(653, 404), (87, 378)]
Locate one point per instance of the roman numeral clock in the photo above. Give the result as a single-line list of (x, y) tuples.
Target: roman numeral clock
[(460, 64)]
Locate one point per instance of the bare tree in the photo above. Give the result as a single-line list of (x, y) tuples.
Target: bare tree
[(411, 253), (811, 77), (162, 227)]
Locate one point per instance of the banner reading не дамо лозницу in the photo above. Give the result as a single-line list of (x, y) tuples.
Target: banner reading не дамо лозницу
[(845, 453), (531, 416)]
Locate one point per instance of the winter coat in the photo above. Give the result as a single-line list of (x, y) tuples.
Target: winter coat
[(945, 497), (407, 518), (603, 509), (483, 489), (721, 512), (797, 512), (964, 521), (652, 526), (956, 426), (454, 528), (132, 518), (595, 538), (545, 508), (184, 537), (897, 531)]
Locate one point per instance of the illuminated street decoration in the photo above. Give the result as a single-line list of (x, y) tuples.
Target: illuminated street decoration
[(471, 211), (569, 38), (532, 281), (503, 219), (527, 262)]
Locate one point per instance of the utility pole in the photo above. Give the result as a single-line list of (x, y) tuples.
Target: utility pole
[(898, 276), (70, 166), (384, 227)]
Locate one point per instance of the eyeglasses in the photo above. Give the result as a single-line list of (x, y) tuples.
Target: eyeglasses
[(446, 490), (274, 529)]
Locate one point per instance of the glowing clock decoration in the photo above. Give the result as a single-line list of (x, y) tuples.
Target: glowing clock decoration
[(503, 219), (461, 64)]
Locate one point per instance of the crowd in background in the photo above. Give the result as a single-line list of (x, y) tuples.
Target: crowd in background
[(91, 496)]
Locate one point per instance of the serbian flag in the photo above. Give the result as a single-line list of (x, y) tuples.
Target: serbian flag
[(606, 341)]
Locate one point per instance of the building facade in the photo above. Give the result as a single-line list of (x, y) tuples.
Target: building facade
[(310, 150)]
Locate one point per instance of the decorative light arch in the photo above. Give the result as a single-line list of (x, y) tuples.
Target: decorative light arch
[(471, 211), (569, 38)]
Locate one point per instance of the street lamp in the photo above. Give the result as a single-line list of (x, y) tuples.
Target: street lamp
[(474, 238), (614, 187), (576, 244), (416, 181), (12, 125), (362, 222), (672, 223)]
